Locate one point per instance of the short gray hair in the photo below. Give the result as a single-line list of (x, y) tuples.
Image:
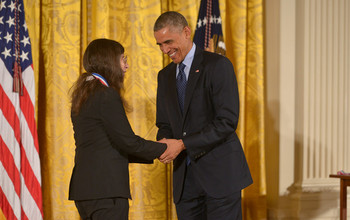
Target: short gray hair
[(170, 18)]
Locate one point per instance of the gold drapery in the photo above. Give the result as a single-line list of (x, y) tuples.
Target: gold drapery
[(60, 31), (244, 42)]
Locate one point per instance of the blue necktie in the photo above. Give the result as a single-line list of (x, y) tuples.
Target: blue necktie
[(181, 85), (181, 90)]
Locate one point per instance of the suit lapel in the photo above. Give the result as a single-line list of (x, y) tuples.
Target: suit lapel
[(195, 71)]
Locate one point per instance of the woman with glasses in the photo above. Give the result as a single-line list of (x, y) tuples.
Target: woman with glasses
[(105, 142)]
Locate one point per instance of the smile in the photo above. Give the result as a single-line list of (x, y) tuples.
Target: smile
[(173, 54)]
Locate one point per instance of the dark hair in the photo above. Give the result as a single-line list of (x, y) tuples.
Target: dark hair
[(101, 56), (170, 18)]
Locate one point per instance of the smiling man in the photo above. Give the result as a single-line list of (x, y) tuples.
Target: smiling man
[(175, 40), (197, 111)]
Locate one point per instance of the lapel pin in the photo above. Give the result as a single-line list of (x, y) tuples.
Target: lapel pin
[(197, 71)]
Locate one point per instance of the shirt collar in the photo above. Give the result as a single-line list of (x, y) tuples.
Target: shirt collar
[(189, 57)]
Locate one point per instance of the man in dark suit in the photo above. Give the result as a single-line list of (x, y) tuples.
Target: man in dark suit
[(197, 110)]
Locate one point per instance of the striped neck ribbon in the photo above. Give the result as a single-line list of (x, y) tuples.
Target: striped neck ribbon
[(102, 80)]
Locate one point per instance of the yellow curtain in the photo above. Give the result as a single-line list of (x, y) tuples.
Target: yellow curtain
[(245, 48), (60, 31)]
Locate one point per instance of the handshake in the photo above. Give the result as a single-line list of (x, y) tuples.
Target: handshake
[(174, 147)]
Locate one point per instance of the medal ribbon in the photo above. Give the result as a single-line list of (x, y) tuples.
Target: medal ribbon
[(99, 77)]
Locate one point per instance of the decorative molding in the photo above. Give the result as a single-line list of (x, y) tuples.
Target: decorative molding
[(314, 187)]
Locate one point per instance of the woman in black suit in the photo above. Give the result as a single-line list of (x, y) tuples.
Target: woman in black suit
[(105, 142)]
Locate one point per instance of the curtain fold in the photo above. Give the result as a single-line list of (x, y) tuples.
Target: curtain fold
[(60, 32), (58, 67), (245, 48)]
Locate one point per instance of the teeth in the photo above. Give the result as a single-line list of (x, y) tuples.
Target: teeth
[(171, 55)]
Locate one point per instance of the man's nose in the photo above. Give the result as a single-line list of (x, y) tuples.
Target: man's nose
[(165, 49)]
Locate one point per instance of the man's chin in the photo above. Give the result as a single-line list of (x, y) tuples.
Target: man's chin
[(176, 61)]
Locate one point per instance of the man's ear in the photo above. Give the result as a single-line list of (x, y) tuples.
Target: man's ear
[(187, 31)]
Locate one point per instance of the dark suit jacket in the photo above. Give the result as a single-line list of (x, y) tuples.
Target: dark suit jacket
[(207, 126), (104, 141)]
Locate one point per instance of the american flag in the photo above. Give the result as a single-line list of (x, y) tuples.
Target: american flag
[(208, 33), (20, 177)]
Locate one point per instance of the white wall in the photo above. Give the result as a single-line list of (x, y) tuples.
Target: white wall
[(307, 106)]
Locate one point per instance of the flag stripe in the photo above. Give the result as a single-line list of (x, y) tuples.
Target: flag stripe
[(30, 144), (30, 158), (24, 217), (7, 160), (9, 196), (9, 113), (6, 207), (33, 180), (11, 145), (9, 134), (28, 202), (8, 108), (27, 110), (29, 205), (27, 175), (29, 82), (27, 106), (30, 180), (29, 196)]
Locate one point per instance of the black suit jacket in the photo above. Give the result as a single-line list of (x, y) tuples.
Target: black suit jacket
[(104, 142), (207, 126)]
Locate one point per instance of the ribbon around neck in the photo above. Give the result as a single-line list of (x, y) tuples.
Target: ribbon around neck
[(102, 80)]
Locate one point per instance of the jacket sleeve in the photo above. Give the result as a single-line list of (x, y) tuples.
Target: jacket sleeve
[(134, 159), (120, 132), (225, 104)]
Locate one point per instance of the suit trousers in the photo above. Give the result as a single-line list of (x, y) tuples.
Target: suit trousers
[(196, 204), (103, 209)]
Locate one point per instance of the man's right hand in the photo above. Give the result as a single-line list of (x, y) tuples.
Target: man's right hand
[(174, 148)]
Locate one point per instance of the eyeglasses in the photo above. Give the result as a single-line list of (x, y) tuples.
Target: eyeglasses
[(125, 59)]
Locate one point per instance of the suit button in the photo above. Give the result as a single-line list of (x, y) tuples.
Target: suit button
[(184, 134)]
